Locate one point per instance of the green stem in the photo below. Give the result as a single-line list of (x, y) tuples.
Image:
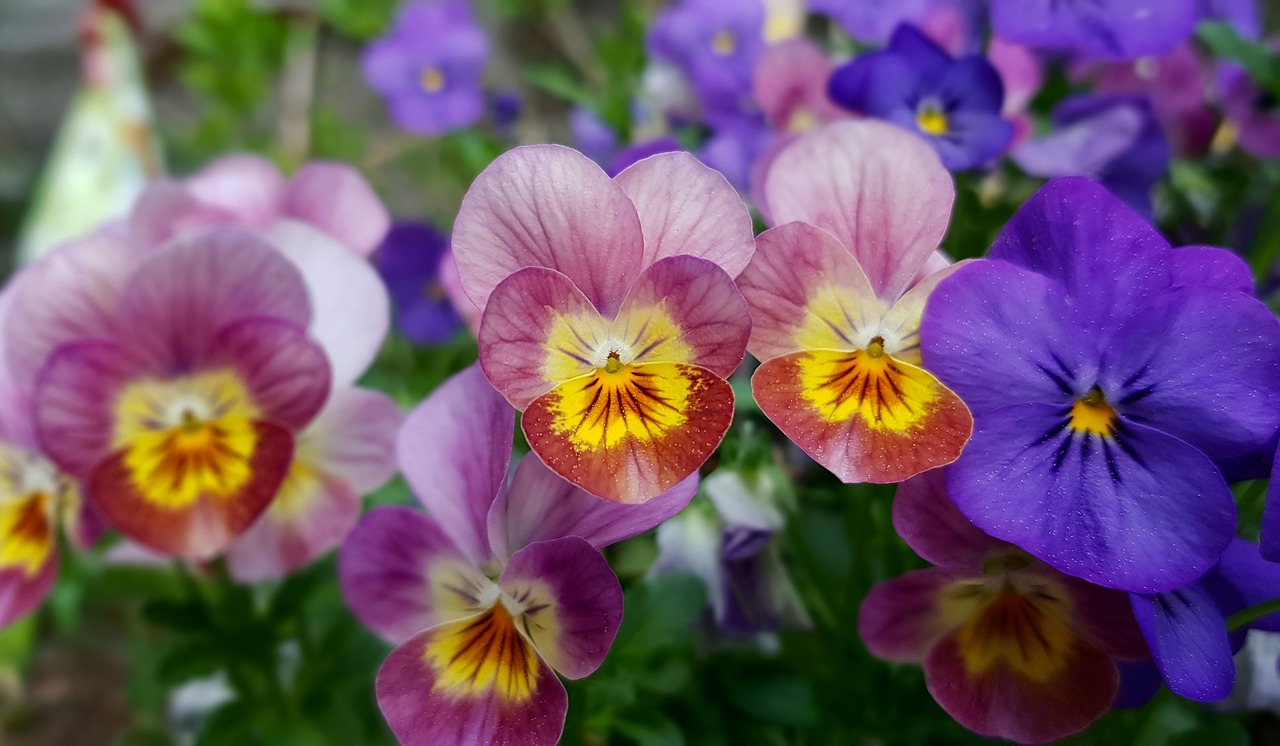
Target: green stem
[(1266, 246), (1252, 614)]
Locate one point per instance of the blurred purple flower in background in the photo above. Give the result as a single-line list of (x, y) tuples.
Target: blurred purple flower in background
[(953, 103), (1114, 140), (1254, 112), (1175, 85), (872, 21), (1242, 14), (715, 43), (1098, 29), (409, 261), (429, 67)]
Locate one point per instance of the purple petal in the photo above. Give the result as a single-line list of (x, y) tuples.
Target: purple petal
[(899, 620), (1188, 641), (335, 198), (20, 594), (73, 403), (1207, 266), (248, 187), (926, 518), (1106, 29)]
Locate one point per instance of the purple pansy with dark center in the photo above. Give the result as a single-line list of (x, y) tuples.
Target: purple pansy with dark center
[(429, 66), (953, 103), (1115, 140), (1099, 29), (409, 261), (1104, 370), (715, 43)]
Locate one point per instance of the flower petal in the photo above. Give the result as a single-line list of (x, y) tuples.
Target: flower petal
[(287, 374), (865, 419), (335, 198), (475, 681), (538, 331), (400, 574), (248, 187), (571, 601), (881, 191), (354, 438), (350, 307), (899, 620), (684, 309), (631, 435), (73, 403), (1138, 511), (1209, 266), (1188, 640), (931, 524), (181, 297), (21, 593), (548, 206), (541, 505), (806, 292), (454, 450), (687, 208)]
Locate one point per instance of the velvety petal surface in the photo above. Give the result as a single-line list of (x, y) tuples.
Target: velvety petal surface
[(1138, 511), (454, 450), (548, 206), (899, 620), (1209, 266), (880, 191), (934, 528), (287, 375), (336, 198), (1188, 640)]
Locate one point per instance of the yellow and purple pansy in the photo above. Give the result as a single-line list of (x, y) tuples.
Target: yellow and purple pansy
[(610, 316), (836, 292), (494, 590)]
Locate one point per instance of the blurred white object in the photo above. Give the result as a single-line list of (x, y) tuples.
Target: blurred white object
[(105, 150), (1257, 675)]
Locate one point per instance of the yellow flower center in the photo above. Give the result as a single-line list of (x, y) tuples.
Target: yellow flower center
[(431, 79), (1092, 415), (932, 120), (723, 43)]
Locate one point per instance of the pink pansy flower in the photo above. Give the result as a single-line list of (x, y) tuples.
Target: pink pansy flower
[(171, 381), (1022, 76), (610, 317), (496, 589), (836, 292), (1011, 647)]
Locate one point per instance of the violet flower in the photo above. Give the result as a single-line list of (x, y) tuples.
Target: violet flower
[(1097, 29), (429, 67), (1254, 112), (409, 261), (953, 103), (872, 21), (1093, 356), (715, 43)]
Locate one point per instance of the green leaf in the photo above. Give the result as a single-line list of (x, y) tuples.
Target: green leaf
[(16, 642), (784, 701), (1257, 59), (558, 81), (650, 729), (1222, 732), (188, 660), (660, 611)]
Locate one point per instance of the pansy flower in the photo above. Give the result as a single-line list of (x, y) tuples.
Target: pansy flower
[(872, 21), (494, 591), (1104, 370), (1175, 85), (429, 67), (836, 292), (1099, 29), (410, 260), (953, 103), (610, 316), (1011, 647), (715, 44), (171, 381)]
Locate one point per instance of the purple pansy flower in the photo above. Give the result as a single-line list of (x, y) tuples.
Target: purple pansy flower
[(1115, 140), (1099, 29), (715, 43), (1104, 370), (954, 103), (1241, 14), (429, 67), (409, 261), (872, 21), (494, 591)]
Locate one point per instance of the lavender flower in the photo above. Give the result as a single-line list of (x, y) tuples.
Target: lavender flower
[(409, 262)]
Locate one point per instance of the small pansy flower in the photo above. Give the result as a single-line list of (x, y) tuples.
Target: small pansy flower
[(715, 43), (836, 292), (1097, 29), (1094, 356), (429, 67), (1011, 647), (955, 104), (610, 317), (410, 261), (497, 588)]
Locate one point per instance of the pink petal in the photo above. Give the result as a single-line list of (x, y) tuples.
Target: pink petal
[(902, 321), (335, 198), (454, 450), (900, 619), (791, 79), (451, 281), (397, 568), (423, 712), (541, 505), (167, 209), (572, 602), (548, 206), (806, 291), (73, 403), (879, 189), (354, 437), (688, 208), (248, 187), (1019, 71), (685, 309), (350, 307), (286, 374), (20, 594), (182, 296), (925, 518), (537, 332)]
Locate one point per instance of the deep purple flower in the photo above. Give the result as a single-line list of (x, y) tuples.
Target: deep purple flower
[(1099, 29), (409, 262), (872, 21), (1104, 370), (954, 103), (428, 68), (715, 43), (1115, 140)]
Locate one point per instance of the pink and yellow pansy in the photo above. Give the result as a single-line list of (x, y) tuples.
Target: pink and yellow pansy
[(836, 293), (1011, 647), (171, 381), (610, 316), (496, 589)]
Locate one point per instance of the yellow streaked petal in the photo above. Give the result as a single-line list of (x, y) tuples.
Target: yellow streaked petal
[(485, 653), (572, 343), (651, 334), (601, 410), (836, 318), (26, 532), (869, 384)]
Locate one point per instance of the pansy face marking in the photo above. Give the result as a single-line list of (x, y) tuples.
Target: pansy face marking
[(33, 493)]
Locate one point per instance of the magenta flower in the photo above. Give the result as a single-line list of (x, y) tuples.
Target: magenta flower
[(1011, 647), (497, 588), (610, 314), (172, 381)]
